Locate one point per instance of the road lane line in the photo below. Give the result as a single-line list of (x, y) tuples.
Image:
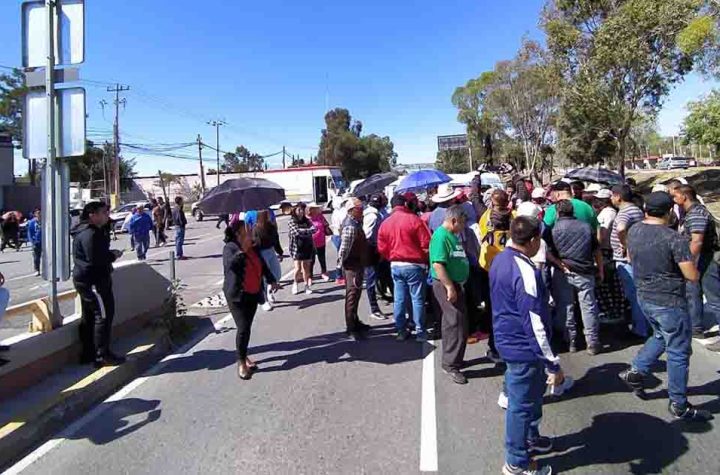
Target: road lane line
[(73, 428), (428, 416), (20, 277)]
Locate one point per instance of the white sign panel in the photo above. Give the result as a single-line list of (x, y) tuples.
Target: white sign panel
[(70, 41), (71, 124), (62, 222)]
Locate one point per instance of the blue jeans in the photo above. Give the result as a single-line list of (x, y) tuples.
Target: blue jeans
[(370, 281), (694, 294), (409, 282), (711, 289), (142, 243), (672, 334), (4, 301), (525, 387), (639, 321), (179, 240)]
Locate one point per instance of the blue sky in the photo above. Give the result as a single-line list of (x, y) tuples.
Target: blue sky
[(265, 68)]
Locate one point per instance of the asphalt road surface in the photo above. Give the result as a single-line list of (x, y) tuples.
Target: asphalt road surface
[(322, 404)]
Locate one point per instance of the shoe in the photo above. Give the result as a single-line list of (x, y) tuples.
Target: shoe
[(595, 349), (533, 469), (308, 289), (402, 336), (493, 356), (340, 281), (714, 347), (182, 258), (295, 289), (109, 359), (634, 380), (363, 327), (325, 278), (357, 336), (503, 400), (572, 347), (699, 334), (244, 375), (378, 315), (267, 307), (541, 445), (456, 376), (37, 274), (477, 337), (563, 388), (270, 294), (689, 413)]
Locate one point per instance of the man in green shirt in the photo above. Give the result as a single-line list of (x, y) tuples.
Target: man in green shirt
[(582, 210), (449, 268)]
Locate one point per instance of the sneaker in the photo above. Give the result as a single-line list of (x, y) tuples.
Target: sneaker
[(378, 315), (363, 327), (270, 294), (699, 334), (325, 278), (564, 387), (493, 356), (689, 413), (541, 445), (308, 289), (267, 306), (402, 336), (595, 349), (503, 400), (634, 380), (456, 376), (714, 346), (533, 469), (572, 347), (357, 336), (295, 289)]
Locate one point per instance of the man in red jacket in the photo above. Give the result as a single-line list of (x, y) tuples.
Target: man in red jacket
[(404, 240)]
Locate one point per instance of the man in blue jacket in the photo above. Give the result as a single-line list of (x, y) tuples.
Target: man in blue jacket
[(522, 326), (34, 232), (140, 226)]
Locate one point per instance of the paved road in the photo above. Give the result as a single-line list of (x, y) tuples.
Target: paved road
[(322, 404)]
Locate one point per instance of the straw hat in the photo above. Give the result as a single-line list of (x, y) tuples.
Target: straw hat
[(445, 193)]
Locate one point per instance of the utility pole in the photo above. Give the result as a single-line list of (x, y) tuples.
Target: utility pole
[(674, 147), (117, 89), (283, 157), (217, 124), (202, 170)]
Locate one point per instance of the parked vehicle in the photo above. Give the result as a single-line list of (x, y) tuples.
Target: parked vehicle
[(118, 215), (672, 163)]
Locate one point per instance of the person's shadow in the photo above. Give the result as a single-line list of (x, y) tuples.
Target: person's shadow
[(114, 425), (647, 443)]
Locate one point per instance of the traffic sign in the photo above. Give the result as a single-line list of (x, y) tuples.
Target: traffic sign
[(69, 38), (71, 123)]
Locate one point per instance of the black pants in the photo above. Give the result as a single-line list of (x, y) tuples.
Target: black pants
[(11, 240), (97, 317), (353, 291), (320, 253), (37, 256), (223, 218), (486, 323), (243, 312), (454, 326)]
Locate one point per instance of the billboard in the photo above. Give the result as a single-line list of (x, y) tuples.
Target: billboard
[(452, 142)]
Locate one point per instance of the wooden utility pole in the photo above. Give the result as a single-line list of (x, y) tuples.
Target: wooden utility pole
[(217, 124), (115, 196), (202, 170)]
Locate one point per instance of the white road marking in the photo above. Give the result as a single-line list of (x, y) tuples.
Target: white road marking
[(288, 275), (72, 429), (428, 416), (20, 277)]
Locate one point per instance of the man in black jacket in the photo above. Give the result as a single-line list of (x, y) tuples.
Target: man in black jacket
[(91, 276), (180, 221)]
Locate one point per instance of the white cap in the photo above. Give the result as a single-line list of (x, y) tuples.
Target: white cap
[(593, 188), (538, 193), (603, 194), (528, 208)]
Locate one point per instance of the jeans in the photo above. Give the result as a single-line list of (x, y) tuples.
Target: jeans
[(639, 321), (370, 282), (4, 301), (338, 268), (243, 312), (525, 386), (179, 241), (711, 289), (694, 294), (672, 334), (409, 282), (142, 243), (272, 261), (564, 285), (37, 256)]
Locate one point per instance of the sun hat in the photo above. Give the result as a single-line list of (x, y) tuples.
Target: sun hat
[(445, 193), (314, 205), (593, 188), (604, 194)]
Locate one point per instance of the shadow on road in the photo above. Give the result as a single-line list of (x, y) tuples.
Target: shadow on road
[(647, 443), (114, 424)]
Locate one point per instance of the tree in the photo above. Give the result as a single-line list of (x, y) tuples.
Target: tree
[(242, 160), (12, 94), (452, 161), (95, 165), (480, 124), (702, 124), (618, 59)]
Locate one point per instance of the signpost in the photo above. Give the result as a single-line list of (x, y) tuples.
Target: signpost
[(54, 36)]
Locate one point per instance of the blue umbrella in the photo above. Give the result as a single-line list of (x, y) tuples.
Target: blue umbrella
[(422, 180)]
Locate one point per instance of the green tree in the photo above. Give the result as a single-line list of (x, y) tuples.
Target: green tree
[(95, 165), (12, 93), (702, 124), (480, 124), (242, 160), (452, 161)]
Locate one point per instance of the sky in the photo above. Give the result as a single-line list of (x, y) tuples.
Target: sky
[(269, 68)]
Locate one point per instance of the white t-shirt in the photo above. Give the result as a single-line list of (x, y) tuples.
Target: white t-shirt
[(605, 220)]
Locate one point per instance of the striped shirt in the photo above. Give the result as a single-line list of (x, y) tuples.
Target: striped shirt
[(698, 220), (626, 217)]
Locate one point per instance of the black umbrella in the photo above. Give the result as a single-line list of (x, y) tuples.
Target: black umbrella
[(242, 194), (374, 184), (595, 175)]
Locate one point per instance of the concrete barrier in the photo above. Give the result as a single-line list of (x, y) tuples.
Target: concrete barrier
[(141, 294)]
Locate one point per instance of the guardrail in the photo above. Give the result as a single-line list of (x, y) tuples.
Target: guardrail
[(40, 311)]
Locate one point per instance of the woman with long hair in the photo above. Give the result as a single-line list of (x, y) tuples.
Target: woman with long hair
[(301, 231), (267, 239), (244, 270), (322, 230)]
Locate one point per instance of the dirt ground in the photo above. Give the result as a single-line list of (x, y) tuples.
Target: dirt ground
[(706, 181)]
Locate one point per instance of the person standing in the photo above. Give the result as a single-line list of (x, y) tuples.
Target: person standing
[(10, 232), (243, 269), (582, 211), (180, 221), (662, 264), (300, 231), (93, 281), (523, 330), (34, 231), (449, 270), (575, 244), (404, 241), (353, 256), (322, 230), (267, 240), (372, 219), (628, 214), (140, 226), (336, 220), (158, 214)]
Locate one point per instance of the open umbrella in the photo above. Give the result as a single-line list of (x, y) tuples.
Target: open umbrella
[(242, 194), (421, 180), (374, 184), (595, 175)]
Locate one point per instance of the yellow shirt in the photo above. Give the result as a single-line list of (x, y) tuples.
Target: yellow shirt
[(492, 242)]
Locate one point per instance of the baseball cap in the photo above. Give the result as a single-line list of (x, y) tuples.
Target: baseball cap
[(538, 193), (659, 202), (603, 194), (528, 208), (410, 196), (353, 203), (561, 186), (593, 188)]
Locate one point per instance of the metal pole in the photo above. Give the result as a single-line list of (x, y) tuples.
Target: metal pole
[(217, 149), (172, 266), (52, 159)]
